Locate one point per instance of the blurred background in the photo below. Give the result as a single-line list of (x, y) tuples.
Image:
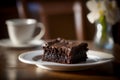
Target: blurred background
[(62, 18), (59, 17)]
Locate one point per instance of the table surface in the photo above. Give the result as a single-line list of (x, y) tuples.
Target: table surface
[(12, 69)]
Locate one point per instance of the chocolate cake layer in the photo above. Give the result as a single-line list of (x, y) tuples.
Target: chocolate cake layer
[(64, 51)]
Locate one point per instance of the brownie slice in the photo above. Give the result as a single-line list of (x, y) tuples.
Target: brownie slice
[(64, 51)]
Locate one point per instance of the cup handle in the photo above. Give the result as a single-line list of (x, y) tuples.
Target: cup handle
[(42, 31)]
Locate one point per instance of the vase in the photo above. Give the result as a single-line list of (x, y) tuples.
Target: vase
[(103, 36)]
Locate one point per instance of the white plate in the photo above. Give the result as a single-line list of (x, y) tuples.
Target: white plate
[(94, 58), (7, 43)]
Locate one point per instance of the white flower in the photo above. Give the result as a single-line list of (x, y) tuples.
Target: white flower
[(103, 8)]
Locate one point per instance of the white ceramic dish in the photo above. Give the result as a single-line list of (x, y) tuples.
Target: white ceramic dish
[(94, 58), (7, 43)]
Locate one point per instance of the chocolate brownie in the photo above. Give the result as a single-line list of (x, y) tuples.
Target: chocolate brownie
[(65, 51)]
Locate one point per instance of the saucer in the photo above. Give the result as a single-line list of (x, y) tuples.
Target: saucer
[(7, 43)]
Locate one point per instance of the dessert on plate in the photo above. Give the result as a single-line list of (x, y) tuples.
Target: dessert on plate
[(65, 51)]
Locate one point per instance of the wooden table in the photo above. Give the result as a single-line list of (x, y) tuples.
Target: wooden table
[(12, 69)]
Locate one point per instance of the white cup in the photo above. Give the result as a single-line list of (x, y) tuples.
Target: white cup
[(21, 30)]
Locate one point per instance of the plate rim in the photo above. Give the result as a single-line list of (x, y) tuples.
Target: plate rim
[(37, 63)]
